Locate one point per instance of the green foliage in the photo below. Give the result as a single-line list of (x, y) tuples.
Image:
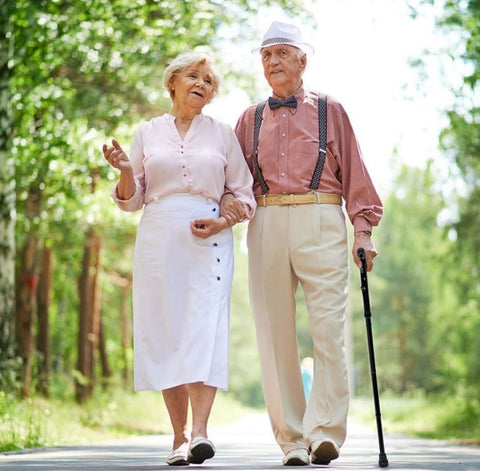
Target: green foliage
[(109, 414), (461, 142), (407, 292), (86, 70), (436, 416), (245, 382), (83, 71), (8, 363), (451, 284), (21, 426)]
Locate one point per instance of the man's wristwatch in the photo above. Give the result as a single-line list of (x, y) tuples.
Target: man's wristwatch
[(367, 233)]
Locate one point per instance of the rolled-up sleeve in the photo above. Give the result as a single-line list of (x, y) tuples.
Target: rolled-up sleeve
[(137, 200)]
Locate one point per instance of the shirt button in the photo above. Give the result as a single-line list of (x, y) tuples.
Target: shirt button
[(215, 244), (283, 154), (284, 115), (283, 134), (282, 174)]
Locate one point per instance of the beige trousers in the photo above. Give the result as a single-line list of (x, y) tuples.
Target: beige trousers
[(306, 244)]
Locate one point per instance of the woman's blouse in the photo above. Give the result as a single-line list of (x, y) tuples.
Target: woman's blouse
[(208, 161)]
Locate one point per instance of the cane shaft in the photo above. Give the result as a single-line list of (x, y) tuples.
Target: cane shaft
[(373, 373), (383, 461)]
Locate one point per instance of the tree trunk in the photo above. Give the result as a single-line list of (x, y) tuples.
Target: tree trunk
[(125, 283), (44, 295), (106, 370), (7, 205), (26, 305), (89, 317), (126, 333)]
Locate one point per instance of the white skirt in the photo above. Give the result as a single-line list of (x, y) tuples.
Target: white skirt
[(181, 296)]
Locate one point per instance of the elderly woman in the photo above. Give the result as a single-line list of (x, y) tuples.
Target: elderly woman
[(180, 165)]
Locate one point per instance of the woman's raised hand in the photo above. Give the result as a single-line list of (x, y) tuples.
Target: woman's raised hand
[(116, 156)]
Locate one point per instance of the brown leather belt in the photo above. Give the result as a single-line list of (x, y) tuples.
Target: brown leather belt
[(294, 199)]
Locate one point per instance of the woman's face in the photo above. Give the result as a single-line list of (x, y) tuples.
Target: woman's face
[(194, 86)]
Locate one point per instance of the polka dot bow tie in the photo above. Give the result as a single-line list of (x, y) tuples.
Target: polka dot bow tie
[(275, 103)]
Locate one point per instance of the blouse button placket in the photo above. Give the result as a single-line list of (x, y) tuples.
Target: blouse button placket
[(183, 164)]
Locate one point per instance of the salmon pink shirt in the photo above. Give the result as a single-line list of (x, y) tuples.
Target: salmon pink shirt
[(208, 161), (288, 153)]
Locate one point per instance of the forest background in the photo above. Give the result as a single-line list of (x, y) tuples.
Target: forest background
[(75, 73)]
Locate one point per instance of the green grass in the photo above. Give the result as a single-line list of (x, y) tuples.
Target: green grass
[(439, 417), (114, 413)]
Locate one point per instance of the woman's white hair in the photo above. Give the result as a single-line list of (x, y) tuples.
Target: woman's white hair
[(182, 62)]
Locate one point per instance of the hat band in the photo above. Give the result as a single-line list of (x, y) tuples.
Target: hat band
[(277, 41)]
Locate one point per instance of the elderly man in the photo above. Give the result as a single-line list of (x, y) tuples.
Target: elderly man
[(299, 235)]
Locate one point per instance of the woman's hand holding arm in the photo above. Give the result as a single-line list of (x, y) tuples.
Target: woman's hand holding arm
[(204, 228), (233, 210)]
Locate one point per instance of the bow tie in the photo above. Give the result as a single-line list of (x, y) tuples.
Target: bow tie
[(275, 103)]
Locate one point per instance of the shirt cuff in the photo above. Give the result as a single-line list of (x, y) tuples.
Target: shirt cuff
[(134, 203), (360, 224)]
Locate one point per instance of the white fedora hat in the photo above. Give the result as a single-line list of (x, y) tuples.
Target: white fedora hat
[(284, 33)]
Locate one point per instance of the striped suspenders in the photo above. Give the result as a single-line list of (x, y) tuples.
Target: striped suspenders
[(322, 139)]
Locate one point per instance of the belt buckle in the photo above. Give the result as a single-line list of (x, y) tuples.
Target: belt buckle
[(315, 195), (286, 199)]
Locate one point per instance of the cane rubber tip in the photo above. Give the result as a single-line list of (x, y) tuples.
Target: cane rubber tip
[(382, 461)]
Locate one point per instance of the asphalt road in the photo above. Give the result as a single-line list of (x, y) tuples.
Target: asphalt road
[(248, 445)]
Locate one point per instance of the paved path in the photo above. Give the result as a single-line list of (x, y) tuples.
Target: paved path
[(247, 445)]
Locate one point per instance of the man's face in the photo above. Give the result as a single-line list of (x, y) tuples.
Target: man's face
[(283, 66)]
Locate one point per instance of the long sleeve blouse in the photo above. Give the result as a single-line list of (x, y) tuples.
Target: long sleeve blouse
[(208, 161)]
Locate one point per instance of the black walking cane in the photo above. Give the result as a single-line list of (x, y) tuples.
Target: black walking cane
[(382, 457)]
